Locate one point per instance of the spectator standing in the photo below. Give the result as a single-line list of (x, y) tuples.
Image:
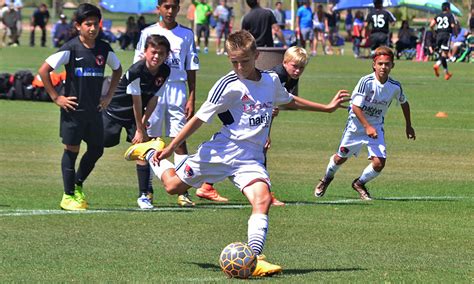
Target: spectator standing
[(379, 20), (304, 20), (261, 23), (349, 21), (279, 14), (10, 19), (331, 27), (357, 27), (224, 16), (203, 12), (131, 35), (190, 15), (141, 22), (61, 31), (39, 18), (320, 23), (18, 5), (406, 38)]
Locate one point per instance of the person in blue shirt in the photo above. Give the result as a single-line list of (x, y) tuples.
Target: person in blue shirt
[(304, 19)]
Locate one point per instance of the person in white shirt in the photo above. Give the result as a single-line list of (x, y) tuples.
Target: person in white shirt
[(243, 100), (365, 126)]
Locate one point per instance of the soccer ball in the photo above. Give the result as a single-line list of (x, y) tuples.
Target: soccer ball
[(238, 260)]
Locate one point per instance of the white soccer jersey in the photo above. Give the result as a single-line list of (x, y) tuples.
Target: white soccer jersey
[(183, 55), (374, 98), (245, 106)]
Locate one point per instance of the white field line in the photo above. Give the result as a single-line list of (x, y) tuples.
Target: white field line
[(42, 212)]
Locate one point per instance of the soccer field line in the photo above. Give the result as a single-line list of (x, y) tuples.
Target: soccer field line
[(43, 212)]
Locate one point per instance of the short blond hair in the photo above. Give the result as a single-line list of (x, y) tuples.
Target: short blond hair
[(240, 41), (296, 54)]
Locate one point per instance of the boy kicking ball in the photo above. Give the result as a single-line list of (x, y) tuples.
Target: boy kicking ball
[(243, 100), (369, 103)]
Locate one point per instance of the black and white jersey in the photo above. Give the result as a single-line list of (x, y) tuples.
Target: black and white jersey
[(444, 23), (289, 83), (137, 81), (244, 106), (379, 20), (85, 69)]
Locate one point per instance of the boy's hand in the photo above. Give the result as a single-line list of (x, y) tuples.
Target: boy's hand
[(189, 109), (161, 155), (66, 103), (341, 97), (140, 137), (410, 133), (371, 132), (104, 102), (267, 145)]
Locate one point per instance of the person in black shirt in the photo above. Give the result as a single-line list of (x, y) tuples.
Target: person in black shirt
[(84, 58), (378, 20), (260, 23), (445, 26), (134, 101), (39, 18)]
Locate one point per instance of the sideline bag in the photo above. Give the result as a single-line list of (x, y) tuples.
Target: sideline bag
[(22, 88), (6, 82)]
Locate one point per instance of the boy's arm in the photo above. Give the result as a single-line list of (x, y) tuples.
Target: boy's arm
[(66, 103), (105, 101), (140, 133), (150, 107), (369, 129), (189, 128), (408, 128), (190, 103), (341, 97)]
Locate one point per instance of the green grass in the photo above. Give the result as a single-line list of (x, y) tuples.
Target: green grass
[(418, 228)]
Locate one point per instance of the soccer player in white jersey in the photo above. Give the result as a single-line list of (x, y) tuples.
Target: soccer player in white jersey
[(369, 102), (173, 108), (243, 100)]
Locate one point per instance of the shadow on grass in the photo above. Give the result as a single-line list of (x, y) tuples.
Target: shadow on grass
[(421, 198)]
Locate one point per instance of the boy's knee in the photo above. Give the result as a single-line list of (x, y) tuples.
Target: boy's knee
[(378, 165)]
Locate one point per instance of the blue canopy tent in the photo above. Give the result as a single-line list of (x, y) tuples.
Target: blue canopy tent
[(132, 7), (362, 4)]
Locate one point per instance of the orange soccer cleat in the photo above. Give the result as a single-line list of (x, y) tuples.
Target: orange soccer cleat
[(207, 191)]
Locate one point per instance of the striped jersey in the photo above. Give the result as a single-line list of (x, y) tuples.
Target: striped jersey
[(374, 98), (183, 55), (244, 106)]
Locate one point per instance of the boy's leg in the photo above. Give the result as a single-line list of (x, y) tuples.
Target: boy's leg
[(43, 35), (88, 160), (68, 161), (258, 194), (143, 174), (370, 172), (335, 161)]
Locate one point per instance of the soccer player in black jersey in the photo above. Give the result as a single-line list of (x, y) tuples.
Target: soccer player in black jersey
[(445, 26), (379, 20), (134, 101), (84, 58)]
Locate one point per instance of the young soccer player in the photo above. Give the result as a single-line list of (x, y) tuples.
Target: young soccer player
[(445, 25), (243, 100), (134, 101), (370, 101), (84, 58), (173, 109)]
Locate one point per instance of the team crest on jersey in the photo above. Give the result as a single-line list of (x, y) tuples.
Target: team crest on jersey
[(196, 60), (245, 99), (188, 171), (100, 60), (344, 150), (159, 81)]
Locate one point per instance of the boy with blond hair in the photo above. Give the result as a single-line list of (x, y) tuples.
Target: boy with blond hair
[(243, 100)]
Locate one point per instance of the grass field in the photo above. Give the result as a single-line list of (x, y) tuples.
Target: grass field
[(419, 228)]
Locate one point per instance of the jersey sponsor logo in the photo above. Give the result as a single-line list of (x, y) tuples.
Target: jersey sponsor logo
[(372, 111), (245, 98), (260, 119), (79, 58), (375, 101), (173, 62), (100, 60), (88, 72), (188, 171), (251, 106)]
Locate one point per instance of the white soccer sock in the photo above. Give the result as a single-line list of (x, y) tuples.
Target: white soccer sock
[(368, 174), (158, 169), (331, 169), (178, 158), (438, 62), (257, 232)]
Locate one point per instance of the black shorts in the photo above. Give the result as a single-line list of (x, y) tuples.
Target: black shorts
[(113, 129), (442, 41), (378, 39), (76, 126), (202, 28)]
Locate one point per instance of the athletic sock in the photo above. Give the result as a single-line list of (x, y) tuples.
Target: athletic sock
[(257, 232), (444, 63), (87, 163), (368, 174), (143, 175), (68, 163), (331, 169), (158, 169)]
